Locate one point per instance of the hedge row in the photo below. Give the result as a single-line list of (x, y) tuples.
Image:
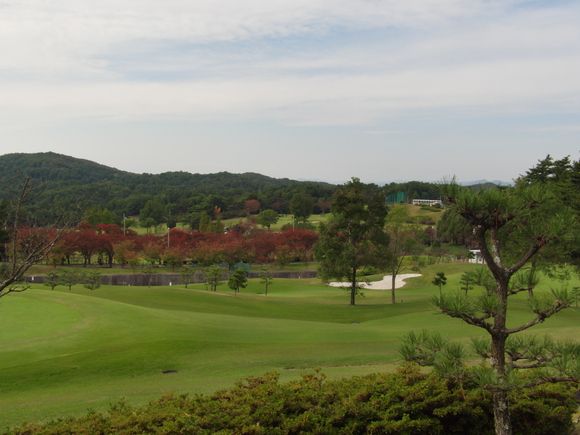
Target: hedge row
[(407, 402)]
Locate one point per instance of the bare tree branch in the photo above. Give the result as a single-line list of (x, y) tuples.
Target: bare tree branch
[(29, 245)]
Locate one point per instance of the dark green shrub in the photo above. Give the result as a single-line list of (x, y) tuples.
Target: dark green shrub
[(367, 271), (426, 221), (435, 208), (407, 402)]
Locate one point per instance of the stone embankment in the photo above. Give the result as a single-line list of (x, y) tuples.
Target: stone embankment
[(165, 279)]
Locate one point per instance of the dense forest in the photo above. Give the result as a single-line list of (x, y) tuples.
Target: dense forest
[(106, 194), (71, 182)]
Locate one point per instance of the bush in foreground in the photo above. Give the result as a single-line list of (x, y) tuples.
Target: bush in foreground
[(407, 402)]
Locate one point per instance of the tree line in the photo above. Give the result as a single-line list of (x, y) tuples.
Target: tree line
[(108, 244), (110, 195)]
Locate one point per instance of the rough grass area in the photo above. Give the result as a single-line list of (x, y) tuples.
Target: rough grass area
[(415, 211), (62, 352)]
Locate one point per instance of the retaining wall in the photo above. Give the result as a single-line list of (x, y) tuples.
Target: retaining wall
[(165, 279)]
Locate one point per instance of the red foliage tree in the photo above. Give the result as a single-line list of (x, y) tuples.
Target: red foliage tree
[(208, 253), (235, 250), (174, 256), (106, 248), (86, 242), (144, 239), (299, 240), (264, 243), (122, 249), (281, 207), (324, 206), (228, 248), (152, 251), (109, 229), (29, 238), (246, 227), (187, 240), (252, 206)]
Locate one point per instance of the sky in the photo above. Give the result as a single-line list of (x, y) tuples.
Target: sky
[(382, 90)]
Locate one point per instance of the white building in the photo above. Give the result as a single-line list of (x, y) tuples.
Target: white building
[(477, 257), (427, 202)]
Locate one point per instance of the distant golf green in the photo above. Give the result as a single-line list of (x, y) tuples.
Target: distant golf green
[(63, 352)]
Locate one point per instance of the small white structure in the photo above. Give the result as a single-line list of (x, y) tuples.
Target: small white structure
[(477, 257), (427, 202)]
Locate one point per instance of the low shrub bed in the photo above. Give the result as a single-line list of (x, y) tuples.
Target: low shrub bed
[(407, 402)]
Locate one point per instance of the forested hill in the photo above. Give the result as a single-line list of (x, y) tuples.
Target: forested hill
[(54, 169), (67, 179)]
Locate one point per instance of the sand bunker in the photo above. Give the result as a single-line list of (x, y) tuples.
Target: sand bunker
[(384, 284)]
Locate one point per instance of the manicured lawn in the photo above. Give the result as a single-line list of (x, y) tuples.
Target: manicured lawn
[(63, 352)]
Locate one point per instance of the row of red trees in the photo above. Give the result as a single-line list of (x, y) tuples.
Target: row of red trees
[(109, 244)]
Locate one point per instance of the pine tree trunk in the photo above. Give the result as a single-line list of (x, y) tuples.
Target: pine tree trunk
[(501, 410), (501, 413)]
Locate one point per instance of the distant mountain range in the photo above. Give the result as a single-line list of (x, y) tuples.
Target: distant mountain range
[(463, 183), (496, 182)]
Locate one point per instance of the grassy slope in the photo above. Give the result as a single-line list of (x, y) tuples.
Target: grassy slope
[(61, 352), (282, 220)]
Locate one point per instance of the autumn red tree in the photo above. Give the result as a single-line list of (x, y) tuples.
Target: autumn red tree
[(264, 243), (174, 256), (252, 206), (283, 255), (27, 238), (187, 240), (153, 252), (58, 253), (86, 242), (106, 249), (121, 248), (109, 229), (246, 227), (235, 250), (133, 259), (228, 248), (299, 240), (324, 206), (208, 253), (143, 240)]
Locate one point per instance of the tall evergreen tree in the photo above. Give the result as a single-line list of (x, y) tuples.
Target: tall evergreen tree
[(510, 228), (354, 238)]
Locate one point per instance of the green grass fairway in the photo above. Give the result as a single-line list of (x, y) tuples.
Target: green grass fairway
[(62, 352), (285, 219)]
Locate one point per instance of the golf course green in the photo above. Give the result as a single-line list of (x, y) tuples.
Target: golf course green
[(62, 353)]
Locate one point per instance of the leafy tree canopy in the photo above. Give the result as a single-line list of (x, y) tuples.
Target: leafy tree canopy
[(354, 238), (68, 180), (511, 228)]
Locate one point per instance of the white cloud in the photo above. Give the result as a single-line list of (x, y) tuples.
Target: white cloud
[(524, 86), (551, 128), (62, 35), (289, 63)]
